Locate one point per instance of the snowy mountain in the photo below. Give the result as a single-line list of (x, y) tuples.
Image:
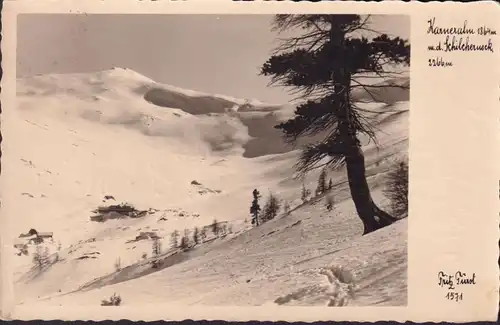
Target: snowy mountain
[(184, 159)]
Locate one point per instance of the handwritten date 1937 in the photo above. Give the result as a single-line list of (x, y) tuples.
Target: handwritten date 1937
[(453, 281)]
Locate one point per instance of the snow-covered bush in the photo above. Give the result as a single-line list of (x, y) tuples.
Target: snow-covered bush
[(396, 189)]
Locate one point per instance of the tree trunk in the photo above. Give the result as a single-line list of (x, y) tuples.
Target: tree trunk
[(354, 158), (367, 210)]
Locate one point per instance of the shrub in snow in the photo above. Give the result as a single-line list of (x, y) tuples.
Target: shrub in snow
[(330, 203), (41, 257), (271, 208), (396, 189), (114, 300)]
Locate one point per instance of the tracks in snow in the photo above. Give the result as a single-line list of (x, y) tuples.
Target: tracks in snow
[(337, 291)]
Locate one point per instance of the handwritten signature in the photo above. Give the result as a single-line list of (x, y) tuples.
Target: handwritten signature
[(455, 280)]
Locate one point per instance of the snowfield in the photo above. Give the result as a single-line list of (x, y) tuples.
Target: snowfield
[(188, 158)]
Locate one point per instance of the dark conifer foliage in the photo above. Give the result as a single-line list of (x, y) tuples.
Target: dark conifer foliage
[(323, 66), (255, 207)]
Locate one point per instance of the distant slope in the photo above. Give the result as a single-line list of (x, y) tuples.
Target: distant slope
[(81, 137)]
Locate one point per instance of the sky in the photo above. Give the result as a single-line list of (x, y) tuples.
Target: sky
[(213, 54)]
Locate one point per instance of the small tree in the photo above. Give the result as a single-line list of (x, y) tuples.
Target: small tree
[(271, 208), (304, 195), (330, 203), (185, 240), (321, 182), (203, 234), (215, 227), (174, 239), (156, 247), (255, 207), (196, 235), (330, 184), (156, 252), (118, 264), (40, 257), (114, 300), (286, 208), (396, 189)]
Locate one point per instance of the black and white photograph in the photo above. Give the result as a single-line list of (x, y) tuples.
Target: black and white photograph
[(210, 160)]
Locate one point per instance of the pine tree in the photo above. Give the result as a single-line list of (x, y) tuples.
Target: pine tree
[(156, 252), (196, 235), (203, 234), (330, 184), (271, 208), (40, 257), (174, 239), (156, 247), (215, 227), (255, 207), (324, 65), (186, 237), (304, 195), (321, 182), (185, 240)]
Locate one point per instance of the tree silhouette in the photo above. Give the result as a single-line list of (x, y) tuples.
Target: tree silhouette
[(255, 207), (215, 227), (184, 245), (203, 234), (196, 235), (323, 65), (321, 182), (174, 237), (304, 194), (156, 250)]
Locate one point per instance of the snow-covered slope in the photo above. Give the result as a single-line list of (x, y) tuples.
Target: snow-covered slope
[(192, 158)]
